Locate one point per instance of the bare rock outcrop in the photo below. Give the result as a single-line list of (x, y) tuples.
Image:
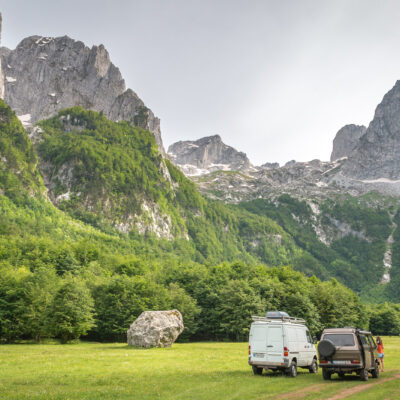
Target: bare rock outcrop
[(44, 75), (155, 329), (206, 155), (346, 140), (376, 156)]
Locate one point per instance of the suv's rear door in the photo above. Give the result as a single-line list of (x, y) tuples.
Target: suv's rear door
[(374, 356), (274, 344), (367, 351)]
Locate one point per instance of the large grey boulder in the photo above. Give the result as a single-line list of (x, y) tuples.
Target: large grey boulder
[(155, 329)]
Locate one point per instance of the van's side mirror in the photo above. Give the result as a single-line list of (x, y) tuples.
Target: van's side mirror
[(315, 340)]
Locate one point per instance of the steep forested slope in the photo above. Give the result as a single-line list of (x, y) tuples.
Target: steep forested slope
[(68, 269), (354, 254)]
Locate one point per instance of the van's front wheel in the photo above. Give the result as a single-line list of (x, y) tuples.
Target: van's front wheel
[(256, 370), (313, 367), (292, 370)]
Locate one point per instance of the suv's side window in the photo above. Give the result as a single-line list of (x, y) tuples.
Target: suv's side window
[(371, 342), (309, 339), (364, 341)]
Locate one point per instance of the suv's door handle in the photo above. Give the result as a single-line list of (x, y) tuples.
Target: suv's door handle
[(270, 346)]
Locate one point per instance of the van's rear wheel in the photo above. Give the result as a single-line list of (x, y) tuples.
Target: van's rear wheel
[(326, 374), (292, 370), (256, 370), (364, 374), (313, 367)]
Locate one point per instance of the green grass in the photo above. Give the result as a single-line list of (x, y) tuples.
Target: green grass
[(184, 371)]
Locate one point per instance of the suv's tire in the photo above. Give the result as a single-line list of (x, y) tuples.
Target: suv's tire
[(256, 370), (364, 374), (292, 370), (375, 371), (326, 348), (326, 374), (313, 367)]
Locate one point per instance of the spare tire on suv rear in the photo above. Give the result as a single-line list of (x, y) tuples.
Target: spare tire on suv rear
[(326, 348)]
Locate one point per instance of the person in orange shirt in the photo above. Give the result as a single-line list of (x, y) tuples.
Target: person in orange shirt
[(380, 352)]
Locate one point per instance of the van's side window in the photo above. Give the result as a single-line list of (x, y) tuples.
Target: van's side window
[(309, 339)]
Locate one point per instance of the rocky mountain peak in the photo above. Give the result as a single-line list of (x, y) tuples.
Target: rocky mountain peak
[(44, 75), (376, 155), (346, 140), (206, 155)]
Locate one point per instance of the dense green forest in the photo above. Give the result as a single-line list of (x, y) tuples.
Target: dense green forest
[(354, 260), (69, 272)]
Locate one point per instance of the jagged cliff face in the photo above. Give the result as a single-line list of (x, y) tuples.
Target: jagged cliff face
[(363, 160), (346, 140), (377, 155), (206, 155), (44, 75)]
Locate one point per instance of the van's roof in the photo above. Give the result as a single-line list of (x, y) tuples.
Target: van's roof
[(278, 322)]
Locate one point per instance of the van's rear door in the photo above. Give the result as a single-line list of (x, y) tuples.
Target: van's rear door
[(274, 344), (258, 342)]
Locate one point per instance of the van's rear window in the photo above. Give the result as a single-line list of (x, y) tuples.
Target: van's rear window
[(340, 339)]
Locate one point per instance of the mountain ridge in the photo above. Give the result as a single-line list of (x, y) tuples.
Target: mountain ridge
[(44, 75)]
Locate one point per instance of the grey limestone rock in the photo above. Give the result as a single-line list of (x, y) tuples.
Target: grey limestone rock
[(207, 154), (269, 165), (155, 329), (346, 140), (44, 75), (377, 155)]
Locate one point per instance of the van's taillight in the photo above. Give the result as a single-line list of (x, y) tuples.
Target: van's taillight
[(285, 351), (249, 349), (323, 362), (355, 361)]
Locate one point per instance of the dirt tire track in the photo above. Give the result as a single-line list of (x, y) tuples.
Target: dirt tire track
[(301, 393), (357, 389)]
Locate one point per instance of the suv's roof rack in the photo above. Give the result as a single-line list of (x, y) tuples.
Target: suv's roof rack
[(293, 320)]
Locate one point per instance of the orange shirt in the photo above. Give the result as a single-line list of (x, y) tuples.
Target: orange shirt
[(380, 348)]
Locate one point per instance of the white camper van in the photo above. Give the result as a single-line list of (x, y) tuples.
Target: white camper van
[(280, 342)]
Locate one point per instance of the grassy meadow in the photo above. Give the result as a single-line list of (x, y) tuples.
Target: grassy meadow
[(184, 371)]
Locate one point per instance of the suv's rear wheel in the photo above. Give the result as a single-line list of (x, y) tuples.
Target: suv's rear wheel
[(375, 371), (256, 370), (313, 367), (364, 374), (292, 370), (326, 374)]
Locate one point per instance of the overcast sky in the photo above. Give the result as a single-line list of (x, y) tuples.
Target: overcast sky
[(276, 79)]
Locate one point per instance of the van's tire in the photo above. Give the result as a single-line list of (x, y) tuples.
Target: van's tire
[(313, 367), (364, 374), (326, 348), (326, 374), (292, 370), (375, 371), (256, 370)]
